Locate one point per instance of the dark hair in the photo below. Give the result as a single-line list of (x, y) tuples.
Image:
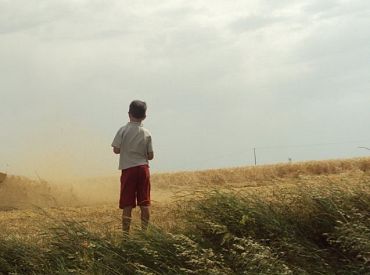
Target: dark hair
[(138, 109)]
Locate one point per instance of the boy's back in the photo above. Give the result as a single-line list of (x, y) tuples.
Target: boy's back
[(134, 142)]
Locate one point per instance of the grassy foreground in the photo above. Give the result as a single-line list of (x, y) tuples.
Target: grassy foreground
[(320, 227)]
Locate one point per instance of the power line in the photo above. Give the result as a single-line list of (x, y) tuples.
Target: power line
[(313, 145), (255, 149)]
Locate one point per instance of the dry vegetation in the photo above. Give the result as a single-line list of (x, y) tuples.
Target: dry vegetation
[(304, 218), (22, 193)]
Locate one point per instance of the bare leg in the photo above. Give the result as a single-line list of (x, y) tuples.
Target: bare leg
[(145, 215), (126, 218)]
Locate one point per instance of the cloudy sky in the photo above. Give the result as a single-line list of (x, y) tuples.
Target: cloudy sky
[(291, 78)]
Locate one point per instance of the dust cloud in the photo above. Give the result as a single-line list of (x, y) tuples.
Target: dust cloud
[(60, 153)]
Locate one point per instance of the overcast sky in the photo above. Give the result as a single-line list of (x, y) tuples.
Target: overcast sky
[(291, 78)]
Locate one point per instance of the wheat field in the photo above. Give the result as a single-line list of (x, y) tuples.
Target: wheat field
[(302, 218)]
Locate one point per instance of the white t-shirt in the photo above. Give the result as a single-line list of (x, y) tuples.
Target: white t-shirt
[(135, 142)]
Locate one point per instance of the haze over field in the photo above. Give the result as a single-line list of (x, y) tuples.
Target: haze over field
[(219, 77)]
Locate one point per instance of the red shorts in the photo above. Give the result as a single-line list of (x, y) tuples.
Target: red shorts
[(135, 187)]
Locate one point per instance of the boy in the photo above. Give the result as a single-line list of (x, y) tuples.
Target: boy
[(134, 145)]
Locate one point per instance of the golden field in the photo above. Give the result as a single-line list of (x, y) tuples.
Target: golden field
[(29, 208), (25, 202)]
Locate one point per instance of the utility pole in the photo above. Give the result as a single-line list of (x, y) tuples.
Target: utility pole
[(255, 158)]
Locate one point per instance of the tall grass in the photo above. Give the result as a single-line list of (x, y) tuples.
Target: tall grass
[(74, 249), (307, 230)]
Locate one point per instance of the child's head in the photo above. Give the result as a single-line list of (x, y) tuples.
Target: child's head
[(137, 110)]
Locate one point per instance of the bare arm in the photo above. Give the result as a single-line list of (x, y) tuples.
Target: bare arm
[(150, 155), (116, 150)]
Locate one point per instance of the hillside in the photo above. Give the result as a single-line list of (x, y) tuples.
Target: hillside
[(303, 218), (21, 193), (167, 185)]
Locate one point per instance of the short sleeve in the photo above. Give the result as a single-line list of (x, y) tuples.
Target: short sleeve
[(117, 141), (149, 145)]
